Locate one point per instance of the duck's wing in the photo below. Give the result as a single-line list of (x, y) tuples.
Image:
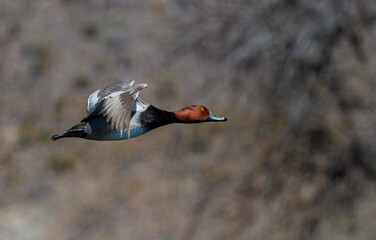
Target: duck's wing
[(115, 102), (117, 107), (102, 93), (92, 100)]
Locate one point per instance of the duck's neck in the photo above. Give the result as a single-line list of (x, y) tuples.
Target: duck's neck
[(154, 117)]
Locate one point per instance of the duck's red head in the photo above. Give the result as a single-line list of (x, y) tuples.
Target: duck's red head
[(197, 113)]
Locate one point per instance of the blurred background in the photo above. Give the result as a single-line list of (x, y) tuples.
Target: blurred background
[(295, 78)]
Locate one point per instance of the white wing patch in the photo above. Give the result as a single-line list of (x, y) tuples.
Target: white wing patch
[(92, 100), (141, 106), (118, 107)]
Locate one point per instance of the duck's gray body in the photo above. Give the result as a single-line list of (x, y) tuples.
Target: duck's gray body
[(99, 129), (97, 126)]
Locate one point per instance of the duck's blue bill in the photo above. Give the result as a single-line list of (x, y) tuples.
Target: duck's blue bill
[(213, 117)]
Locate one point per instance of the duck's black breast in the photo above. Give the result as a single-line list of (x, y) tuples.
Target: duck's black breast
[(154, 117)]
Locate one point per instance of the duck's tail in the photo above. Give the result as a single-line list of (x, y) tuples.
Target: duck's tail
[(75, 131)]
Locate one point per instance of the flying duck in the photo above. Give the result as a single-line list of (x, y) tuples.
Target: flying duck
[(115, 112)]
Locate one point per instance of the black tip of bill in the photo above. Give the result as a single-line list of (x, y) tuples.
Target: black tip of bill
[(214, 118)]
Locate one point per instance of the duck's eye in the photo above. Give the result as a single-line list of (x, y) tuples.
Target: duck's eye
[(202, 109)]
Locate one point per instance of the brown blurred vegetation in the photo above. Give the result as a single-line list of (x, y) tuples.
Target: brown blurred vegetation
[(296, 160)]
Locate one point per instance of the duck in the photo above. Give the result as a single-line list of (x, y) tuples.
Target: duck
[(115, 112)]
